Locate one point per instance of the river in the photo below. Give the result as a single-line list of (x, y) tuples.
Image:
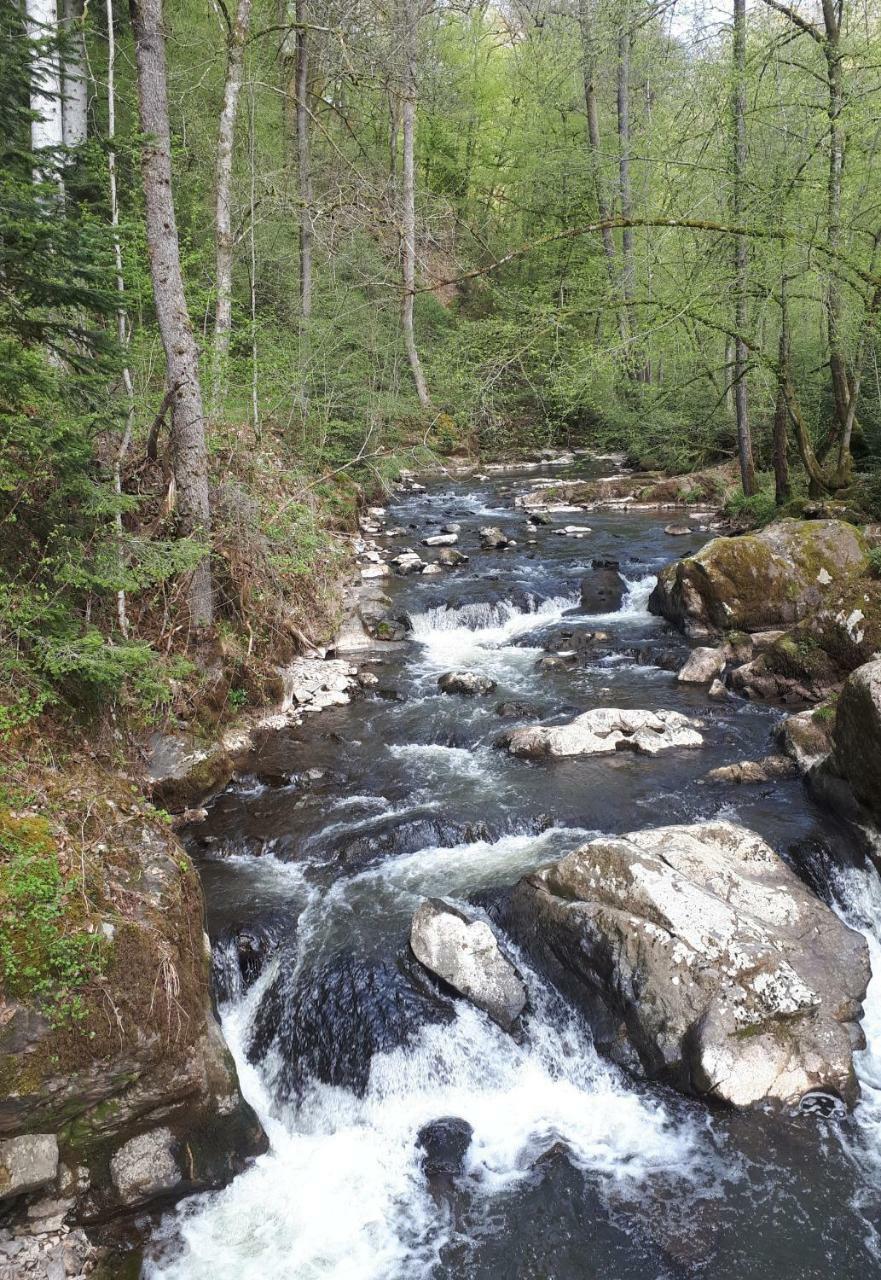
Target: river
[(328, 842)]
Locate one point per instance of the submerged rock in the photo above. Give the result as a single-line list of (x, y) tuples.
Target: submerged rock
[(766, 579), (326, 1025), (768, 770), (732, 978), (463, 953), (470, 683), (603, 730)]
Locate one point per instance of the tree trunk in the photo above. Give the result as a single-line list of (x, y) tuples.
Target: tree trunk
[(189, 451), (121, 316), (782, 487), (741, 255), (223, 232), (628, 274), (588, 62), (408, 198), (75, 111), (47, 131), (304, 166), (837, 363)]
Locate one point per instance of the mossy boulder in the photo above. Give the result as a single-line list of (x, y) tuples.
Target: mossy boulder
[(107, 1032), (772, 578), (818, 654)]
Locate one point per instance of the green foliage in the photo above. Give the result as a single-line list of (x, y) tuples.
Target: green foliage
[(875, 562), (757, 510), (47, 956)]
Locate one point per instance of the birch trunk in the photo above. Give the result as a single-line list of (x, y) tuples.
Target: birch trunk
[(189, 452), (75, 109), (741, 255), (782, 487), (408, 198), (223, 232), (304, 178), (47, 132)]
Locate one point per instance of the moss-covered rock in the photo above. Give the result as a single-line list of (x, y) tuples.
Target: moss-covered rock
[(773, 578), (818, 654), (107, 1032)]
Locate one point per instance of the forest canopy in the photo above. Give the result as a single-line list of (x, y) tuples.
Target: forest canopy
[(253, 257)]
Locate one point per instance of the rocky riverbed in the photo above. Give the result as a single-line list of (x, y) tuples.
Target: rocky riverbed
[(524, 970)]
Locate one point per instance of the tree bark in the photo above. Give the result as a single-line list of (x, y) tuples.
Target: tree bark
[(837, 362), (628, 274), (782, 487), (75, 111), (47, 132), (121, 315), (594, 151), (223, 232), (188, 445), (304, 166), (408, 197), (741, 255)]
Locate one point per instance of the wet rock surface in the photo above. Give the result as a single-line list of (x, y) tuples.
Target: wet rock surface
[(604, 730), (732, 978)]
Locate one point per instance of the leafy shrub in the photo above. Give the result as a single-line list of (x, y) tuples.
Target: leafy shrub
[(875, 562)]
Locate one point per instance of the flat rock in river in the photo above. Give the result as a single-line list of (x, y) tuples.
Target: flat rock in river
[(604, 730), (732, 978), (464, 953)]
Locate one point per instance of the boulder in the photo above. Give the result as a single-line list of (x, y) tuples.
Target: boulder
[(450, 557), (603, 589), (441, 540), (678, 530), (604, 730), (492, 537), (463, 952), (27, 1163), (806, 737), (856, 754), (180, 770), (444, 1145), (145, 1167), (718, 691), (408, 562), (733, 980), (702, 667), (767, 579), (767, 770), (470, 683), (451, 528)]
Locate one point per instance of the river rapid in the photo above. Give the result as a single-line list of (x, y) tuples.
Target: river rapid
[(326, 844)]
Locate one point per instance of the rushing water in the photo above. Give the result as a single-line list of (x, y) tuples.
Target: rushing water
[(339, 829)]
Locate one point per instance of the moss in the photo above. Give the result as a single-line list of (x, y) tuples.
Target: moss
[(48, 952)]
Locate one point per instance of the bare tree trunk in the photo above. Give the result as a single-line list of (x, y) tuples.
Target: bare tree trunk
[(47, 131), (75, 111), (741, 255), (304, 166), (588, 59), (837, 363), (223, 232), (189, 451), (628, 275), (408, 197), (782, 487), (121, 316)]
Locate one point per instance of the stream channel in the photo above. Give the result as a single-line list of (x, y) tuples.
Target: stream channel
[(323, 848)]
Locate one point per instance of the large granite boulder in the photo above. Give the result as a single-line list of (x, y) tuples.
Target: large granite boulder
[(604, 730), (733, 980), (771, 578), (463, 952), (470, 683)]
